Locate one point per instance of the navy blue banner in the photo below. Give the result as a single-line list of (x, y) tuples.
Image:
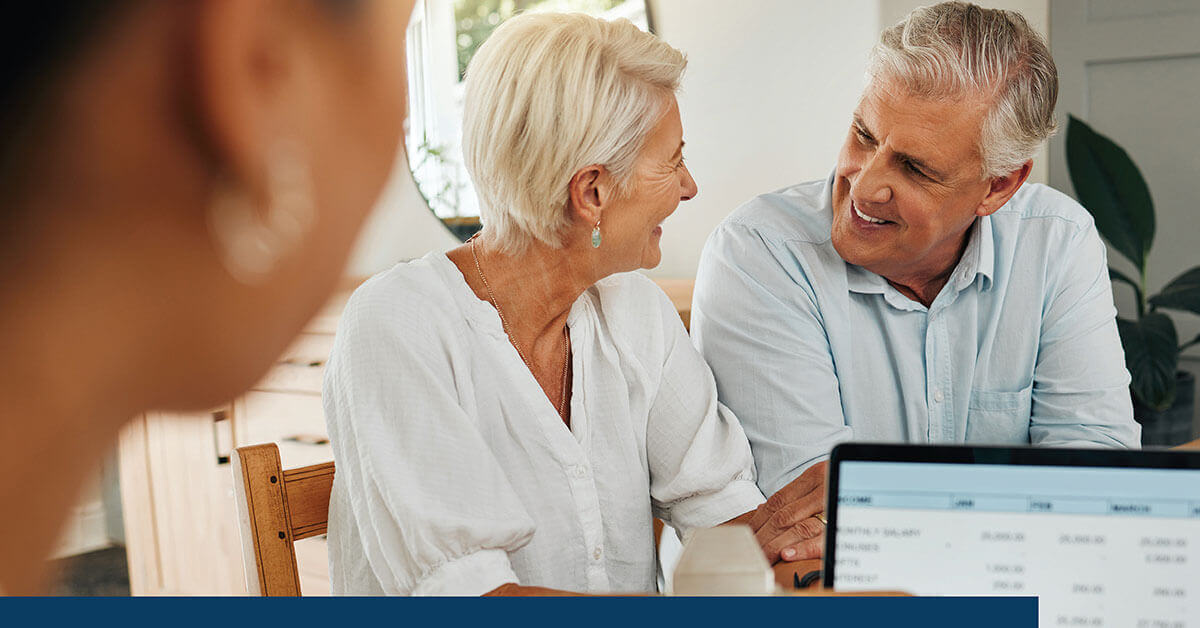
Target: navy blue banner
[(614, 612)]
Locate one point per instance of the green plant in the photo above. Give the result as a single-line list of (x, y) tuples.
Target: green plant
[(438, 184), (1112, 188)]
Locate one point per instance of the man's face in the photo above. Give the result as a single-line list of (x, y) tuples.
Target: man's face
[(908, 183)]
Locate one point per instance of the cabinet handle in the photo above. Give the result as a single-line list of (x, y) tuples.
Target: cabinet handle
[(222, 435)]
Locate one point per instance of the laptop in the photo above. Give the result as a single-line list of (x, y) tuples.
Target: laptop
[(1101, 537)]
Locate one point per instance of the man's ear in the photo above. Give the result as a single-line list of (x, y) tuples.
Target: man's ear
[(1002, 188), (589, 193)]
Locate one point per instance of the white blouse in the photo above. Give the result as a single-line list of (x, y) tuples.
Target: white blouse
[(456, 475)]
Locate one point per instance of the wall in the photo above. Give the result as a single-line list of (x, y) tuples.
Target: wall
[(1132, 71), (766, 100), (95, 522), (401, 228), (768, 97), (765, 103)]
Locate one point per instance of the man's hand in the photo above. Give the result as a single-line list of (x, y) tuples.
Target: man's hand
[(786, 525)]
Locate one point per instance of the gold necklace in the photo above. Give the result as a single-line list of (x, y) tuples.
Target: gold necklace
[(562, 403)]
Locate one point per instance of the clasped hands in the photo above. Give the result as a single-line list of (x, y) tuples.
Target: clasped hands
[(790, 525)]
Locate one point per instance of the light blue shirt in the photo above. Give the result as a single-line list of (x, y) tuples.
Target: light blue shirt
[(1019, 347)]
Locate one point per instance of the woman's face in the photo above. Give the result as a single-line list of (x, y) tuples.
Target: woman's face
[(632, 227)]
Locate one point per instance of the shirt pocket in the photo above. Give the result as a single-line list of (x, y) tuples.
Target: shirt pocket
[(999, 417)]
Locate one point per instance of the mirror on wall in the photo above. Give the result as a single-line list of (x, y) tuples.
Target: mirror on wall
[(442, 37)]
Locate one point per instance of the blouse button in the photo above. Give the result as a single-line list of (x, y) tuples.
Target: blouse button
[(597, 553)]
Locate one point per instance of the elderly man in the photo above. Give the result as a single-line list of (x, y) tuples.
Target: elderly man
[(923, 293)]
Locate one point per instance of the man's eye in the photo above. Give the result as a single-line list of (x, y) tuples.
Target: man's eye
[(913, 169)]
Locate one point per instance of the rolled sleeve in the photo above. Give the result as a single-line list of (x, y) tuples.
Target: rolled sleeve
[(468, 576), (758, 325), (712, 509)]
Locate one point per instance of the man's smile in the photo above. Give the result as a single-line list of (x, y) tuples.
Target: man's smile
[(866, 218)]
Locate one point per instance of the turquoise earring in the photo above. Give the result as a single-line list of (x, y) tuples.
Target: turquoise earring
[(596, 236)]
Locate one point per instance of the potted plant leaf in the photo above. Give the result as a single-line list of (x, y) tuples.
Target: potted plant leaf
[(1112, 188)]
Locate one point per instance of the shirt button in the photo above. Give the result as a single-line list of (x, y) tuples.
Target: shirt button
[(579, 471), (938, 396), (597, 553)]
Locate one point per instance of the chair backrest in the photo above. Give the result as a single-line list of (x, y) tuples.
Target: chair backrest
[(276, 508)]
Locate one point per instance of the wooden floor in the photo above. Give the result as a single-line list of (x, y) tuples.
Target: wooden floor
[(100, 573)]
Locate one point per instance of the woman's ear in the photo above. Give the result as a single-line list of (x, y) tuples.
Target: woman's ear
[(589, 192)]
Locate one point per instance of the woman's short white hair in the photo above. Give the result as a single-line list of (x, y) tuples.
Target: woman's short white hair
[(956, 50), (548, 94)]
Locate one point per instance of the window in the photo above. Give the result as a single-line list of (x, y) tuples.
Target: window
[(442, 37)]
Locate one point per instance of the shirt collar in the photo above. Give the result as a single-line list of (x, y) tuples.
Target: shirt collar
[(863, 281), (979, 258)]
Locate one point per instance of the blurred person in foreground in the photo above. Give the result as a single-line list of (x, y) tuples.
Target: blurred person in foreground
[(182, 183), (924, 292), (510, 416)]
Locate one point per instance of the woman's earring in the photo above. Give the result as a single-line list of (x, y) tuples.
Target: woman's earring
[(251, 242), (596, 236)]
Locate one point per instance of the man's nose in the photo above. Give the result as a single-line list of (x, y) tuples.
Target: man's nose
[(872, 184)]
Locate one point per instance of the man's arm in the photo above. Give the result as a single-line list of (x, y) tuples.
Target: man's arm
[(1080, 385), (756, 321)]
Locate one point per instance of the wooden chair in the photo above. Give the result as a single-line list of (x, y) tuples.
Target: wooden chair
[(275, 509)]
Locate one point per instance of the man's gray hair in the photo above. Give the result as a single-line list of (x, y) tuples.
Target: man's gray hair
[(956, 50)]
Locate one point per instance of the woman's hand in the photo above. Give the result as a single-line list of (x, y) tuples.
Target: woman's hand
[(786, 525)]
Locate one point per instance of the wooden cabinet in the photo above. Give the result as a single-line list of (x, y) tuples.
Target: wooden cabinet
[(177, 487), (177, 499)]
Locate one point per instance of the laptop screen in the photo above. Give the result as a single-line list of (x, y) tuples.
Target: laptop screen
[(1099, 545)]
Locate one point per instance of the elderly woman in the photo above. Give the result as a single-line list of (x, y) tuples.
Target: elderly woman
[(513, 414)]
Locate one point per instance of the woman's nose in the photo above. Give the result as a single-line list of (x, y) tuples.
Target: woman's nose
[(690, 189)]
